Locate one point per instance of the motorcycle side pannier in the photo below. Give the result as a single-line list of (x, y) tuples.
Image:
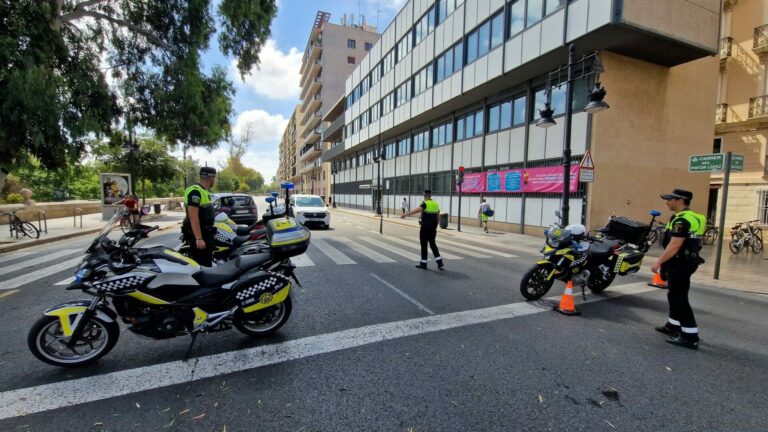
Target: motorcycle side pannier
[(628, 230), (286, 237), (629, 262), (258, 290)]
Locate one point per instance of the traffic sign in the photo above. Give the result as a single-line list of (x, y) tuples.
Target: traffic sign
[(586, 161), (587, 168), (714, 162), (737, 162)]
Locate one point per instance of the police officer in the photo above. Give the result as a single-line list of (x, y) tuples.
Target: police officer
[(680, 259), (429, 214), (198, 227)]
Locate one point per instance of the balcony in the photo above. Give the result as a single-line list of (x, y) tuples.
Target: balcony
[(311, 89), (760, 41), (758, 107), (334, 130), (726, 48), (721, 113), (311, 104), (311, 151), (311, 71)]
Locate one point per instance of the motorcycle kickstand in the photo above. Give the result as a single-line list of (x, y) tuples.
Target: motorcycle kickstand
[(191, 344), (583, 293)]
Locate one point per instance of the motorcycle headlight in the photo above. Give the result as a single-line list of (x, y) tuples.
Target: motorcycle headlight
[(82, 274)]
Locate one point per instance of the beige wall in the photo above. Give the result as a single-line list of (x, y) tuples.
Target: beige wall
[(654, 111), (742, 203), (691, 21)]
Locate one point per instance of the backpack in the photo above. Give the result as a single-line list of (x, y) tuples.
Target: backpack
[(488, 212)]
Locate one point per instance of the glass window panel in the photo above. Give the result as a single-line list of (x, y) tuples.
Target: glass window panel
[(558, 100), (540, 100), (493, 118), (441, 11), (479, 122), (580, 91), (469, 126), (448, 63), (535, 10), (430, 75), (497, 30), (440, 68), (517, 17), (449, 132), (472, 47), (459, 129), (484, 39), (519, 111), (458, 58), (506, 115), (553, 5)]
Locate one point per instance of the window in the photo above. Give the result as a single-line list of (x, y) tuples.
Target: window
[(386, 104), (404, 46), (479, 122), (472, 47), (424, 26), (469, 125), (519, 111), (553, 5), (350, 60), (458, 56), (368, 46), (403, 93), (404, 146), (440, 68), (423, 80), (421, 141), (497, 30), (516, 17), (484, 38), (535, 11), (388, 62), (493, 117), (374, 112), (442, 134), (717, 146), (376, 74), (442, 10), (506, 115), (390, 150), (351, 43), (762, 207), (365, 119)]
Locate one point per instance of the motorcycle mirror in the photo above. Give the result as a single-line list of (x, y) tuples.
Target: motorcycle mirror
[(286, 185), (557, 213), (270, 199), (275, 195), (655, 213)]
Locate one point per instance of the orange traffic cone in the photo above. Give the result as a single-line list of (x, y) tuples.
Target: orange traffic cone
[(658, 281), (566, 306)]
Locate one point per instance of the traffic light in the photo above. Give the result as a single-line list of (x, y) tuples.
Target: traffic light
[(460, 176)]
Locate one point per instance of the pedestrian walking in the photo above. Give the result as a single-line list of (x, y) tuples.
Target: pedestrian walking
[(484, 212), (198, 227), (680, 259), (429, 213), (404, 205)]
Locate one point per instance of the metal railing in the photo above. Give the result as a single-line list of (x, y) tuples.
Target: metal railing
[(721, 113), (758, 106), (726, 47), (760, 40)]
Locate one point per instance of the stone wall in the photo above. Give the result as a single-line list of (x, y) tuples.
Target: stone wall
[(55, 210)]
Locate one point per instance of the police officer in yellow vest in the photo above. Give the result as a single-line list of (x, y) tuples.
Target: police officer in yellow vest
[(680, 259), (429, 221), (198, 227)]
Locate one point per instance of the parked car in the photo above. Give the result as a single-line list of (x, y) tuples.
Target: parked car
[(311, 210), (239, 207)]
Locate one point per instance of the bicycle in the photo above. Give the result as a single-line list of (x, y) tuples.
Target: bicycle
[(125, 219), (710, 234), (656, 233), (746, 234), (25, 228)]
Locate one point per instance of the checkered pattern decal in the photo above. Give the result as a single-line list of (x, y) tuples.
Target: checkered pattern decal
[(269, 284), (124, 283), (225, 237)]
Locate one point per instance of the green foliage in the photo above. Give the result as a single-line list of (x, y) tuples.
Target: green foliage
[(13, 198), (55, 92)]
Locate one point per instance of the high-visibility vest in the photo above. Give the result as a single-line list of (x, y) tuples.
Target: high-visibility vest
[(698, 221), (206, 207), (432, 206)]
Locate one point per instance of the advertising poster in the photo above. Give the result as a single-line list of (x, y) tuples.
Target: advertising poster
[(114, 187), (544, 179)]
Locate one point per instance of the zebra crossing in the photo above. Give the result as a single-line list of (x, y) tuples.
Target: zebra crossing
[(25, 268)]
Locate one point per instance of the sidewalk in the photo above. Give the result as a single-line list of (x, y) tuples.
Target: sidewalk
[(744, 272), (64, 228)]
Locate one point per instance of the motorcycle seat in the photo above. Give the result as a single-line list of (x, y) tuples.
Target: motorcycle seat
[(251, 261), (601, 248), (242, 230), (239, 240), (219, 275), (260, 231)]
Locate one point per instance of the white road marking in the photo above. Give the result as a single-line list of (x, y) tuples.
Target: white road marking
[(331, 252), (66, 281), (479, 249), (48, 397), (302, 261), (389, 248), (13, 256), (42, 259), (39, 274), (417, 246), (406, 296), (365, 250)]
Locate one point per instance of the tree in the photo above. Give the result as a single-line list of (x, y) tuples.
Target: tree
[(73, 69)]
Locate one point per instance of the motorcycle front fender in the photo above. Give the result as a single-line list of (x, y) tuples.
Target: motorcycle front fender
[(551, 267), (70, 312)]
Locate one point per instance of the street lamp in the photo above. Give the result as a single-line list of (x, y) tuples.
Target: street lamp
[(378, 156), (334, 171), (596, 104)]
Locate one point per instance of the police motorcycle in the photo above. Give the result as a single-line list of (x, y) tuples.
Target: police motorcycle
[(162, 294), (570, 254)]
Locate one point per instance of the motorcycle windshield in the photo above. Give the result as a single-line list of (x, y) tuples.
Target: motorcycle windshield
[(105, 230)]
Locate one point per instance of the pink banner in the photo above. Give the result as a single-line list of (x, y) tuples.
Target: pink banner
[(546, 179)]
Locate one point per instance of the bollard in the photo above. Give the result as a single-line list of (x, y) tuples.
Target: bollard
[(78, 211), (41, 213)]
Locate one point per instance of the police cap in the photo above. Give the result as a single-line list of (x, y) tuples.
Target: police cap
[(678, 194), (427, 191), (206, 172)]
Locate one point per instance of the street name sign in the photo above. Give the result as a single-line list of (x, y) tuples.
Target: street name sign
[(714, 162)]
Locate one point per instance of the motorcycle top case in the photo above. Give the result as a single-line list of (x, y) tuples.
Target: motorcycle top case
[(286, 237), (629, 262), (628, 230), (260, 289)]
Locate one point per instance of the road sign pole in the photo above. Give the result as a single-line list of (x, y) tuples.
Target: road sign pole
[(459, 223), (723, 206)]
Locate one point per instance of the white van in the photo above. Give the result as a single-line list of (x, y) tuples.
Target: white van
[(311, 210)]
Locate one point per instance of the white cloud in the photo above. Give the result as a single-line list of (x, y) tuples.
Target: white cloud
[(394, 5), (277, 76)]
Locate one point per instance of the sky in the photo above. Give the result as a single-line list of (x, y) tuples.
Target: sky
[(266, 97)]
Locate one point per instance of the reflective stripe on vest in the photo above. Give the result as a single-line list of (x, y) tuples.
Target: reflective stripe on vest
[(432, 206)]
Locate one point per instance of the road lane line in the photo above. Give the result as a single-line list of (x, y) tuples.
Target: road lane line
[(39, 274), (406, 296), (417, 246), (13, 255), (30, 400), (390, 248), (331, 252), (302, 261), (479, 249), (37, 261), (8, 293), (364, 250), (66, 281)]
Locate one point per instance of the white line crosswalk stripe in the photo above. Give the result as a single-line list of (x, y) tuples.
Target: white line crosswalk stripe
[(302, 261), (37, 261), (331, 252), (39, 274), (365, 250), (12, 256), (418, 247), (479, 249), (390, 248)]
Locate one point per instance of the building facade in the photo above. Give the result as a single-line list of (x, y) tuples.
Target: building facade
[(741, 118), (332, 52), (461, 82), (287, 171)]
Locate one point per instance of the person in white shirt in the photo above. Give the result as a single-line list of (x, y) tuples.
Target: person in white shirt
[(404, 205), (481, 213)]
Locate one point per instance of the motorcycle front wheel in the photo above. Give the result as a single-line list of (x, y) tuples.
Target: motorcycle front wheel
[(597, 284), (264, 321), (47, 342), (534, 284)]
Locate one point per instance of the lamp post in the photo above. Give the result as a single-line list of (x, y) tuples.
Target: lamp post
[(334, 171), (595, 104), (378, 156)]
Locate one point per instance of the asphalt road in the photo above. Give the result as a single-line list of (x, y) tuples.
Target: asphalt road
[(376, 344)]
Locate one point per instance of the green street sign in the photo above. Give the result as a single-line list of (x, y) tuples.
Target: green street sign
[(737, 162), (706, 162)]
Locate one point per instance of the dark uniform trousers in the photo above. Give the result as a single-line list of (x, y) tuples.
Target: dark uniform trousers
[(427, 235), (204, 257), (677, 272)]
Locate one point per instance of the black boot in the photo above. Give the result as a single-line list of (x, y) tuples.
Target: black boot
[(440, 265), (684, 341), (422, 266), (669, 329)]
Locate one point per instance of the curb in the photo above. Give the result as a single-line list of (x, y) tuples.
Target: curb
[(41, 241)]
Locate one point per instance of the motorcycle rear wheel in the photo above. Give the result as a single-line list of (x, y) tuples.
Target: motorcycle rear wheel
[(534, 284), (264, 321), (47, 342), (597, 284)]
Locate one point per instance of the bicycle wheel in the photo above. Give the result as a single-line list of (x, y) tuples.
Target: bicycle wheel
[(710, 236), (653, 236), (30, 230), (735, 245), (125, 224), (757, 245)]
